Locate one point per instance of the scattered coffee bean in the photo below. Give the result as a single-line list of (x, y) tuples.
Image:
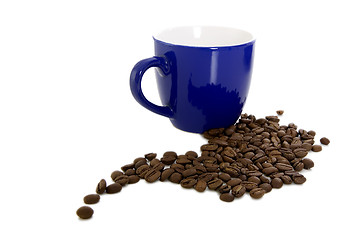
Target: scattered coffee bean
[(91, 199), (316, 148), (152, 175), (299, 179), (324, 141), (133, 179), (166, 174), (227, 197), (150, 156), (276, 183), (200, 186), (188, 183), (308, 163), (280, 112), (85, 212), (113, 188), (238, 191), (257, 193), (115, 174), (175, 177), (101, 187), (266, 186)]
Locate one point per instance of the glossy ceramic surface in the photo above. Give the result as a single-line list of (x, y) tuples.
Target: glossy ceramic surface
[(200, 87)]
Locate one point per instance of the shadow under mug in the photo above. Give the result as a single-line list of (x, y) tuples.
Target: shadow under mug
[(203, 76)]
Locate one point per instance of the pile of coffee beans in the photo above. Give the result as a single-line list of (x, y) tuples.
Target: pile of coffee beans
[(254, 156)]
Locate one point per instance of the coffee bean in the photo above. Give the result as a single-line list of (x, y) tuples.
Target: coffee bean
[(152, 175), (312, 133), (298, 165), (150, 156), (286, 179), (300, 152), (189, 172), (125, 167), (266, 186), (324, 141), (188, 183), (142, 170), (209, 147), (85, 212), (130, 172), (168, 160), (308, 163), (233, 182), (101, 187), (224, 176), (178, 167), (264, 179), (133, 179), (238, 191), (254, 180), (158, 166), (191, 154), (91, 199), (249, 185), (316, 148), (269, 170), (175, 177), (122, 180), (280, 112), (283, 167), (140, 162), (226, 197), (224, 188), (276, 183), (257, 193), (200, 186), (206, 177), (166, 174), (299, 179), (115, 174), (113, 188), (214, 184)]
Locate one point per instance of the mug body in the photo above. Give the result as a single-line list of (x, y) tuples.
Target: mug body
[(209, 78)]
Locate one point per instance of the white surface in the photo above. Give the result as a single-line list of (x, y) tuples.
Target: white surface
[(67, 119), (204, 36)]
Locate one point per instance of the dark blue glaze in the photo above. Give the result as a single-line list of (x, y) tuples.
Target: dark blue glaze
[(200, 87)]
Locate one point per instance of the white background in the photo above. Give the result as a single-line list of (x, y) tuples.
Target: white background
[(68, 119)]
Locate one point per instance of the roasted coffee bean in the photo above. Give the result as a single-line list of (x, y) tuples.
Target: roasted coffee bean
[(249, 185), (130, 172), (209, 147), (142, 170), (238, 191), (257, 193), (166, 174), (283, 167), (308, 163), (122, 180), (214, 184), (286, 179), (200, 169), (140, 162), (178, 167), (232, 171), (316, 148), (183, 160), (206, 177), (276, 183), (168, 160), (324, 141), (125, 167), (191, 154), (233, 182), (115, 174), (312, 133), (298, 165), (266, 186), (254, 180), (91, 199), (299, 179), (101, 187), (170, 153), (269, 170), (85, 212), (280, 112), (152, 175), (189, 172), (113, 188), (188, 183), (306, 146), (224, 188), (264, 179), (158, 166), (154, 162), (200, 186), (175, 177), (300, 152), (225, 177), (150, 156), (133, 179), (226, 197)]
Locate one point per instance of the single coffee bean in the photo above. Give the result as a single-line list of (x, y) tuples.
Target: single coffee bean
[(122, 180), (189, 172), (233, 182), (264, 179), (298, 165), (150, 156), (91, 199), (266, 186), (224, 188), (257, 193), (269, 170), (316, 148), (300, 152), (238, 191), (168, 160), (178, 167), (140, 162), (85, 212), (226, 197), (188, 183), (142, 170), (254, 180), (306, 146), (225, 177), (191, 154), (286, 179), (249, 185), (154, 162), (280, 112), (130, 172), (209, 147), (312, 133), (113, 188), (308, 163), (101, 187), (214, 184), (299, 179), (324, 141), (158, 166), (206, 177), (133, 179), (166, 174), (152, 175), (200, 186), (276, 183), (115, 174), (183, 160), (283, 167), (175, 177), (126, 167)]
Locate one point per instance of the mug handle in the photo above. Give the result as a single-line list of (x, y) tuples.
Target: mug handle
[(135, 84)]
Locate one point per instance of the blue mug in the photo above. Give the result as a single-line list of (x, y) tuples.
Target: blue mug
[(203, 76)]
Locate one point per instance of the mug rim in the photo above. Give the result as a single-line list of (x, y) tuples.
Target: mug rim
[(165, 37)]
